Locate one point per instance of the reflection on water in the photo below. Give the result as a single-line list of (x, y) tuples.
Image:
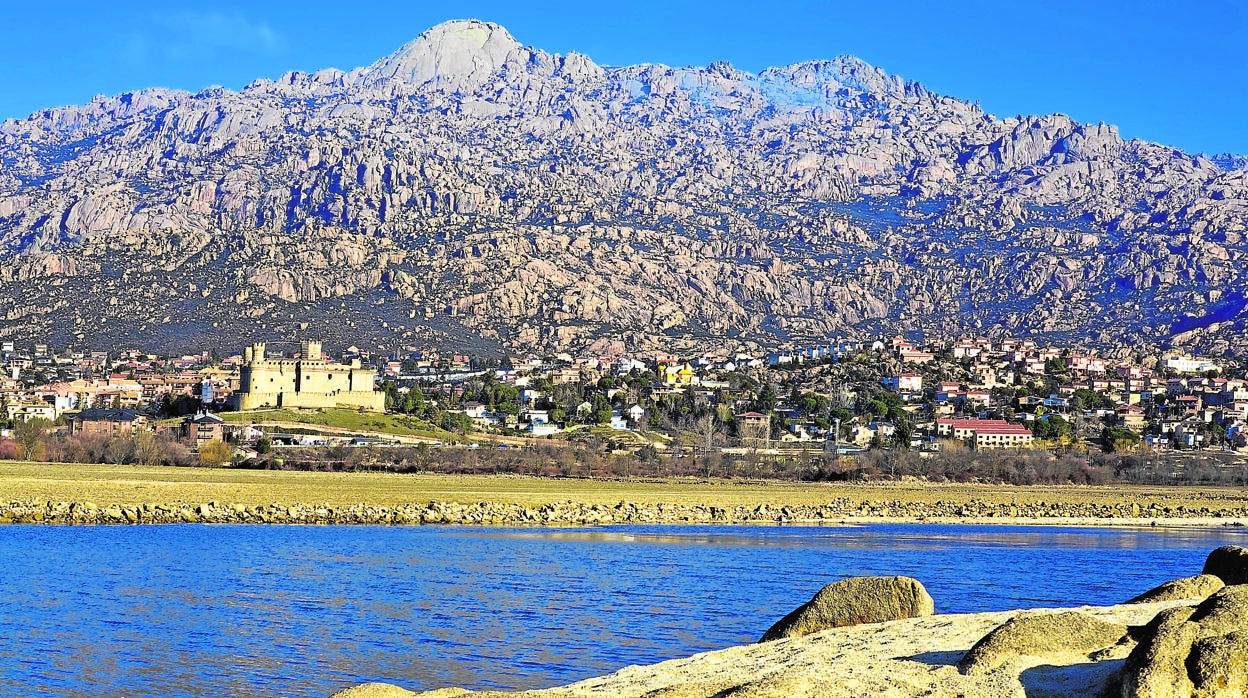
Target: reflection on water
[(892, 537), (256, 611)]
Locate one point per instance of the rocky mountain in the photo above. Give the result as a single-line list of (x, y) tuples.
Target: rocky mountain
[(470, 191)]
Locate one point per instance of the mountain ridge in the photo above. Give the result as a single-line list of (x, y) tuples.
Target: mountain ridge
[(466, 190)]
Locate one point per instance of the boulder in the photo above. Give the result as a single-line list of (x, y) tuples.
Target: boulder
[(1199, 652), (1040, 636), (1223, 612), (1218, 666), (1156, 666), (1198, 588), (374, 690), (855, 601), (1228, 563)]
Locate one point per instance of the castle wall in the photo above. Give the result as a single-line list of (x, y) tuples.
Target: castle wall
[(308, 383)]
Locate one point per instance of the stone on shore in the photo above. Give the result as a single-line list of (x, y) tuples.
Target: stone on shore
[(1193, 653), (375, 690), (1219, 665), (1040, 636), (1198, 588), (855, 601), (1228, 563)]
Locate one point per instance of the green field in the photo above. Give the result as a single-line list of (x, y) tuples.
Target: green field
[(346, 420), (128, 485)]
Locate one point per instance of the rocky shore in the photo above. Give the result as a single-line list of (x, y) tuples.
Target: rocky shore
[(878, 636), (570, 513)]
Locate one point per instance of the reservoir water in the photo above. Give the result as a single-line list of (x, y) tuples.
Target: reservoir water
[(197, 610)]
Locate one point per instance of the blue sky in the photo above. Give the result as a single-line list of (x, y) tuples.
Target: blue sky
[(1170, 72)]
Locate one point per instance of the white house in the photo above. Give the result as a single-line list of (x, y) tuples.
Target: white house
[(537, 416), (636, 413)]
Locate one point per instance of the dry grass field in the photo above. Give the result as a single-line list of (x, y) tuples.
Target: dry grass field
[(129, 485)]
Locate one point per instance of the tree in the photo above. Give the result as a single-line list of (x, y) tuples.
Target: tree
[(1119, 439), (707, 428), (766, 400), (901, 433), (29, 437), (215, 454), (263, 445), (601, 408), (1053, 426), (414, 400), (648, 453), (1090, 399), (456, 422), (146, 450)]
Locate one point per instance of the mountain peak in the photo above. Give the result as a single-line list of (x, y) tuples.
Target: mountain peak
[(459, 51)]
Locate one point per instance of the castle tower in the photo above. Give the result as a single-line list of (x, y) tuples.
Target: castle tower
[(310, 351), (255, 352)]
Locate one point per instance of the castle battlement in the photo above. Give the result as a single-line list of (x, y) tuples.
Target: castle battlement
[(307, 381)]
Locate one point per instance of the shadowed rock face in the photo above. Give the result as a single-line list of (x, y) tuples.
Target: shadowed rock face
[(468, 190), (855, 601), (1228, 563)]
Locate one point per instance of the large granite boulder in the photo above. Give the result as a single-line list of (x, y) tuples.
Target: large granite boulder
[(1199, 588), (1044, 635), (855, 601), (1228, 563), (1199, 652)]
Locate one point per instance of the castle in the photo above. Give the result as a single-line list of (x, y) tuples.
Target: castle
[(308, 381)]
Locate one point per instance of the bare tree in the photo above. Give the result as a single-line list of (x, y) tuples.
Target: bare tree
[(707, 429)]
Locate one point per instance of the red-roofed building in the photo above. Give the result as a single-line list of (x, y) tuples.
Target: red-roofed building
[(985, 433), (753, 425)]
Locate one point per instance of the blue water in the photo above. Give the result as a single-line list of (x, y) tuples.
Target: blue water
[(200, 610)]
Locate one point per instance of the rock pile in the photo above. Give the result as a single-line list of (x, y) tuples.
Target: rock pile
[(569, 513), (1201, 651)]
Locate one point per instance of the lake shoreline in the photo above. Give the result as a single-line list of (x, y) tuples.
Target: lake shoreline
[(879, 635), (117, 494), (570, 513), (912, 657)]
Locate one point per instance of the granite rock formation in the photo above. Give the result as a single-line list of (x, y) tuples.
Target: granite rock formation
[(468, 190), (855, 601)]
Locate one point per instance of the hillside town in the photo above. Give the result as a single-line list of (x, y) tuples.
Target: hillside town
[(842, 397)]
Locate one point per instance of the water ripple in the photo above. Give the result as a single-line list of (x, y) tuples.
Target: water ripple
[(303, 611)]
